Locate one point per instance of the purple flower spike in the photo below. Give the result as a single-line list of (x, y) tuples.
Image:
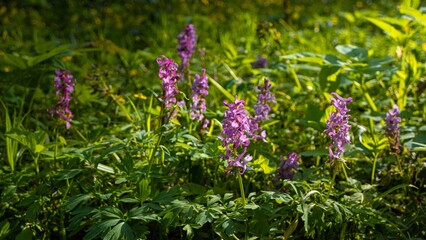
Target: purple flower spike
[(64, 84), (168, 73), (237, 130), (261, 62), (338, 127), (187, 41), (199, 89), (285, 170), (392, 128), (262, 109)]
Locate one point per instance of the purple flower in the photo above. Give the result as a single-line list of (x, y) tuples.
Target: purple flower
[(338, 127), (262, 109), (392, 128), (199, 89), (285, 170), (187, 41), (168, 73), (237, 130), (261, 62), (64, 84)]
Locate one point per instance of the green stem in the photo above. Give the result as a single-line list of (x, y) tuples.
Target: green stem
[(296, 79), (370, 101), (373, 171), (240, 182), (343, 166), (36, 163), (63, 231), (155, 150), (235, 237), (342, 233), (398, 162), (333, 178)]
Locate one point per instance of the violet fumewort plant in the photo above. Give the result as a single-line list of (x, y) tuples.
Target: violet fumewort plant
[(338, 126), (392, 129), (168, 73), (262, 108), (338, 130), (199, 90), (288, 167), (187, 42), (237, 130), (64, 84)]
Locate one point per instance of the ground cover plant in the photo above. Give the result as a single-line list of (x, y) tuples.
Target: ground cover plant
[(212, 120)]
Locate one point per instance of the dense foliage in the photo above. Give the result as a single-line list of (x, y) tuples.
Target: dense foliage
[(212, 119)]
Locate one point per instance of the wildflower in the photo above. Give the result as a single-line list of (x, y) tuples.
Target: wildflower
[(199, 89), (237, 130), (167, 73), (338, 127), (64, 84), (261, 62), (392, 128), (187, 41), (262, 109), (287, 167)]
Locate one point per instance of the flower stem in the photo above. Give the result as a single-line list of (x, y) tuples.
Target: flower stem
[(343, 166), (373, 171), (240, 182)]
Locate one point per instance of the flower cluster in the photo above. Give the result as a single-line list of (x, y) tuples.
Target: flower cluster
[(392, 128), (64, 84), (199, 89), (187, 41), (285, 170), (168, 73), (237, 130), (261, 62), (338, 127), (262, 109)]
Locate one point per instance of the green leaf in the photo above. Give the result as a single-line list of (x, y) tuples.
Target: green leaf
[(142, 213), (105, 168), (74, 201), (389, 29), (189, 231), (329, 77), (29, 139), (120, 230), (260, 224), (67, 174), (99, 228), (39, 148), (112, 212), (193, 189), (144, 189), (32, 211), (356, 53), (166, 197), (15, 61), (4, 229), (26, 234), (416, 14), (313, 112), (291, 228), (221, 89), (251, 206), (43, 57)]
